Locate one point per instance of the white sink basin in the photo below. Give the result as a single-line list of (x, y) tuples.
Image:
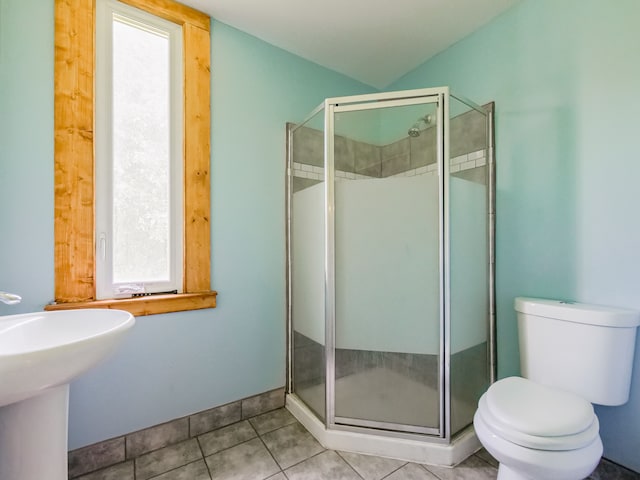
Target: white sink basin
[(46, 349), (40, 353)]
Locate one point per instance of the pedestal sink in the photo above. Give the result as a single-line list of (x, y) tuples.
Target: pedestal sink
[(40, 353)]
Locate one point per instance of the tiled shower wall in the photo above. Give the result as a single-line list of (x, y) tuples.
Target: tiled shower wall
[(406, 157)]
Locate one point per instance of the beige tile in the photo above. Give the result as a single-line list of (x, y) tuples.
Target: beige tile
[(291, 444), (344, 154), (468, 133), (192, 471), (95, 457), (472, 468), (277, 476), (157, 437), (487, 457), (272, 420), (308, 146), (366, 157), (393, 165), (424, 148), (247, 461), (122, 471), (226, 437), (166, 459), (262, 403), (401, 147), (370, 467), (371, 171), (213, 418), (327, 465), (412, 471)]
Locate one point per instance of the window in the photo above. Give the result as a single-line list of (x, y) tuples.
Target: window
[(138, 152), (169, 216)]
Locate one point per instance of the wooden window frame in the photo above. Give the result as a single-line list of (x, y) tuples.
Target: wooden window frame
[(74, 189)]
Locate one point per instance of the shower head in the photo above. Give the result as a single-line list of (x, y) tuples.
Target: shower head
[(415, 131)]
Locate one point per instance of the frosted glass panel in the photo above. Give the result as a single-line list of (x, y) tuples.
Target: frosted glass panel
[(307, 269), (141, 160), (469, 261), (387, 273)]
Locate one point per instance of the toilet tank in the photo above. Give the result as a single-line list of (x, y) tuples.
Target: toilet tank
[(585, 349)]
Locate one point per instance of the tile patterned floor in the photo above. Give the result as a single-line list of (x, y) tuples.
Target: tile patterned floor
[(275, 446)]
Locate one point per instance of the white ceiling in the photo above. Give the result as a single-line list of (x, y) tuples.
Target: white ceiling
[(374, 41)]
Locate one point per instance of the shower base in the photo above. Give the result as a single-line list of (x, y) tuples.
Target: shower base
[(428, 451)]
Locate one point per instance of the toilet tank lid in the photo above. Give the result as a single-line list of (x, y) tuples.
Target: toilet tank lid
[(578, 312)]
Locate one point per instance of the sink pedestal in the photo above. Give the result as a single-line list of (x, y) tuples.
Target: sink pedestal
[(42, 352), (33, 437)]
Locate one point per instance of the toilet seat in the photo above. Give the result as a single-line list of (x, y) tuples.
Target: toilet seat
[(536, 416)]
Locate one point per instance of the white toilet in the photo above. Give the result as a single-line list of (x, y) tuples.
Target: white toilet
[(542, 426)]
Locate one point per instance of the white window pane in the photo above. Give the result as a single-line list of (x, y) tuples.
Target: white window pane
[(141, 155)]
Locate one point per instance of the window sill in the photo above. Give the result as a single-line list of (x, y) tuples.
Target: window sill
[(150, 305)]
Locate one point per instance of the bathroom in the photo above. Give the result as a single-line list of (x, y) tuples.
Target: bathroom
[(563, 79)]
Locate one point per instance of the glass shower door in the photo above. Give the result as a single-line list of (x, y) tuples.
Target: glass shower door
[(386, 365)]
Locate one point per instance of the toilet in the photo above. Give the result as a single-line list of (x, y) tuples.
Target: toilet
[(542, 426)]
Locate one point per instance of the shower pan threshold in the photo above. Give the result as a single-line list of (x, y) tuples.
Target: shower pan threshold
[(430, 451)]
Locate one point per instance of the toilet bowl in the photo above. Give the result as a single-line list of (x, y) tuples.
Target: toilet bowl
[(543, 426), (536, 432)]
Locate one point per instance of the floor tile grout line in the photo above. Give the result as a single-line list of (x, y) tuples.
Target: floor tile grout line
[(295, 420), (271, 454), (133, 460), (350, 466), (204, 458), (135, 469), (176, 468), (281, 427), (171, 445), (433, 473), (399, 468), (232, 446), (483, 460), (309, 458)]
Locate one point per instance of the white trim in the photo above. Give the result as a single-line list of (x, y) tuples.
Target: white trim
[(374, 97), (106, 12), (430, 451), (385, 104)]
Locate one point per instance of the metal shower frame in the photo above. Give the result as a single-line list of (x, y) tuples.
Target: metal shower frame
[(440, 97)]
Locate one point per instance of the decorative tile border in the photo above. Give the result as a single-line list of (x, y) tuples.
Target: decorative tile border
[(302, 170), (140, 444), (468, 161), (426, 170), (457, 164)]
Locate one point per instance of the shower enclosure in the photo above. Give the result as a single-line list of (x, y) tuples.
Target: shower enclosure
[(390, 209)]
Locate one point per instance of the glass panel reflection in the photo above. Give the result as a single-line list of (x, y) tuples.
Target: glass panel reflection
[(387, 266)]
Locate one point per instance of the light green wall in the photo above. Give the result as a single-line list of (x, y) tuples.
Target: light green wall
[(177, 364), (564, 76)]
